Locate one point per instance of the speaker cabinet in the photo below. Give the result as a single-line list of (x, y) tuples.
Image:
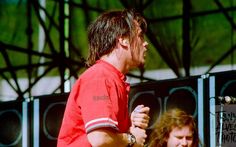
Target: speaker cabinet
[(13, 124), (48, 113), (222, 116), (225, 83), (162, 95), (166, 94)]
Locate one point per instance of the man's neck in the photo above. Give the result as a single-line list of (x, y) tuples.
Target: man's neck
[(117, 62)]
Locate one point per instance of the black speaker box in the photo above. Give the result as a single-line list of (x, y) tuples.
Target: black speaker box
[(162, 95), (48, 113), (225, 83), (13, 124), (166, 94)]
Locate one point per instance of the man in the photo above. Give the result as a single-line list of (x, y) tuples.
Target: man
[(175, 128), (96, 113)]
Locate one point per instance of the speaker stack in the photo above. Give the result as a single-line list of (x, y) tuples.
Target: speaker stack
[(32, 123), (13, 124), (162, 95), (48, 113), (37, 122), (197, 95)]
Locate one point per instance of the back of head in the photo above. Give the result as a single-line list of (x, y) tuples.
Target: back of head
[(174, 118), (105, 30)]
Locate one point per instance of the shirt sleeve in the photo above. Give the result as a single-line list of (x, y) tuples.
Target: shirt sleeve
[(97, 104)]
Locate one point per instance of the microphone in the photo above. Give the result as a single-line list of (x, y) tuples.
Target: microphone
[(226, 99)]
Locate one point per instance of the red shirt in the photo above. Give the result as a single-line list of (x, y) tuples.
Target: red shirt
[(98, 99)]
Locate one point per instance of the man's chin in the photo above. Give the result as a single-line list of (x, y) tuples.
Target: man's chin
[(141, 65)]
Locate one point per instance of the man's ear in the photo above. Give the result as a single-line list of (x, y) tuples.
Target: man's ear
[(124, 41)]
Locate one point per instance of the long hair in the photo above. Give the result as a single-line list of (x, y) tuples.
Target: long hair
[(169, 120), (104, 31)]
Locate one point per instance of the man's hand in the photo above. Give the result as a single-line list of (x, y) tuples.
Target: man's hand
[(139, 117)]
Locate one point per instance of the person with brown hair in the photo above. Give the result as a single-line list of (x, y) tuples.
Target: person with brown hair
[(175, 128), (96, 112)]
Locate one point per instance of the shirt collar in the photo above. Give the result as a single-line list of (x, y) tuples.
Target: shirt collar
[(108, 65)]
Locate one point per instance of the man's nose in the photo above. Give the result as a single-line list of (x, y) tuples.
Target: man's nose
[(184, 141), (145, 44)]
